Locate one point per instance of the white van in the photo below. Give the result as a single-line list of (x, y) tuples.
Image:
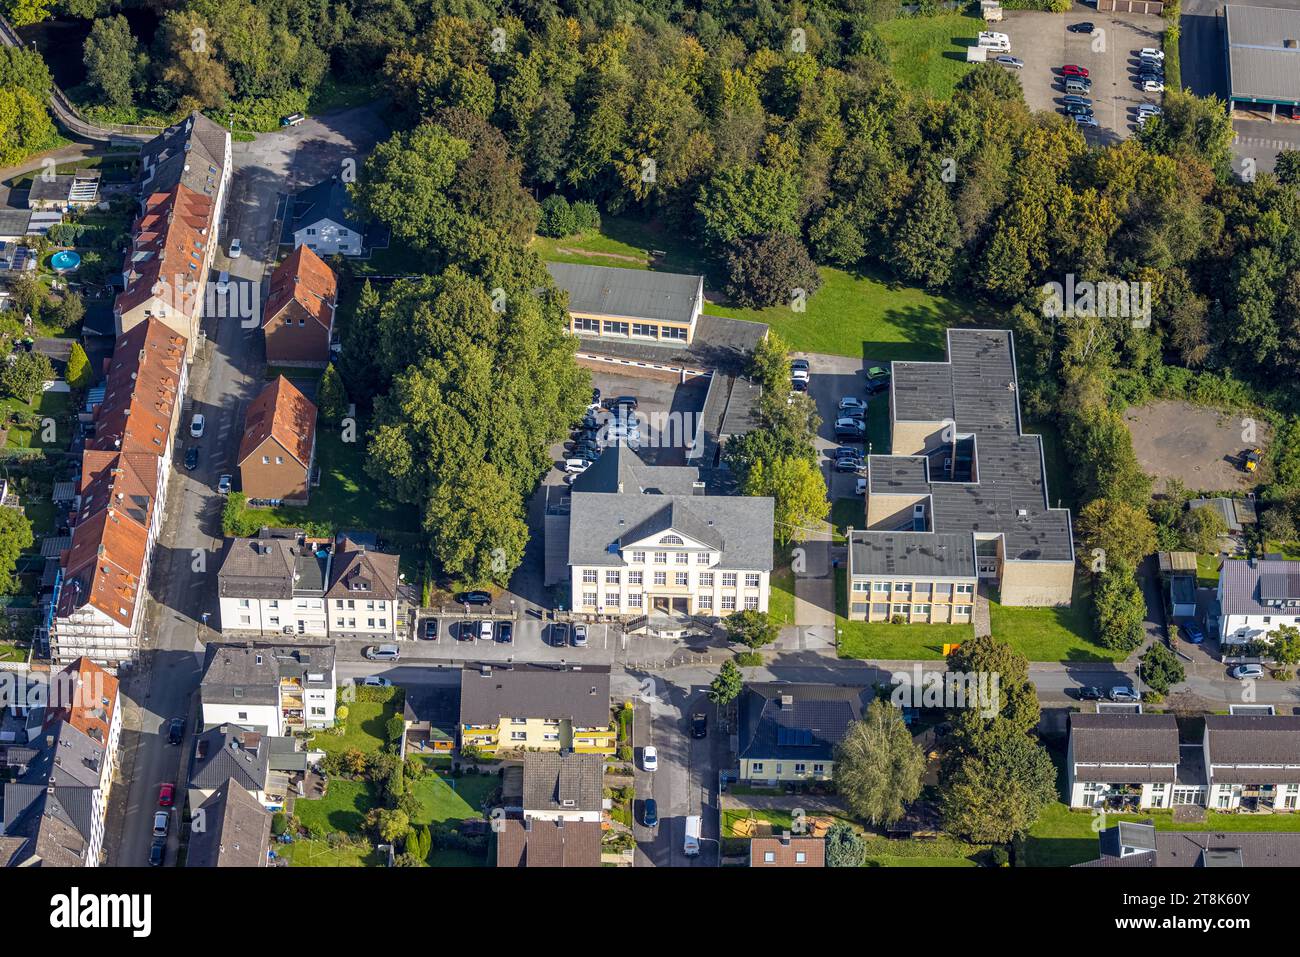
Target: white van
[(692, 845)]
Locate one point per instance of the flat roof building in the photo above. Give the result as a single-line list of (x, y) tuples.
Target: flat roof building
[(1263, 57)]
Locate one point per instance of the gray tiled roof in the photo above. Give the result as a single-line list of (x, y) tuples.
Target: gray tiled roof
[(563, 782), (652, 500), (1239, 583), (1124, 739), (548, 843), (1260, 65), (809, 727), (236, 830), (231, 751), (327, 199), (250, 672), (199, 166), (1252, 740), (257, 568), (632, 293), (536, 691), (363, 573), (922, 554), (977, 389), (1201, 849)]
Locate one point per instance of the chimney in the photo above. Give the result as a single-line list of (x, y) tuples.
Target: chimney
[(697, 488), (785, 838)]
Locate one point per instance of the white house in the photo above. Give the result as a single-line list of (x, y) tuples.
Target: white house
[(1252, 761), (366, 597), (646, 540), (324, 221), (274, 584), (1128, 758), (1256, 597), (280, 688)]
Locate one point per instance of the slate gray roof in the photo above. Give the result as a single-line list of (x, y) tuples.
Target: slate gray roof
[(603, 519), (192, 152), (1251, 740), (1197, 848), (920, 554), (718, 343), (563, 782), (228, 751), (1260, 65), (548, 843), (977, 390), (363, 573), (898, 474), (808, 727), (1115, 739), (250, 672), (580, 695), (435, 705), (1240, 583), (257, 568), (236, 830), (14, 222), (631, 293), (328, 199)]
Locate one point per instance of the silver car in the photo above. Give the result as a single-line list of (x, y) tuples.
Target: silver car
[(1013, 62), (1244, 672)]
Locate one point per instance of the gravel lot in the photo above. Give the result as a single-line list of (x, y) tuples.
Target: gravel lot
[(1196, 445)]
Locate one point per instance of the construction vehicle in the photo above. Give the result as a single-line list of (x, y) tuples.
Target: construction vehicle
[(1250, 460)]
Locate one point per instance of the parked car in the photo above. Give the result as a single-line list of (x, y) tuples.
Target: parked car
[(375, 681), (850, 430), (430, 631), (650, 813), (860, 487), (580, 636), (595, 397), (577, 465), (382, 653), (1014, 62), (485, 630), (505, 632), (1091, 694), (1152, 53), (192, 458), (1193, 633), (699, 725), (157, 852), (1244, 672), (1084, 27), (1085, 119), (649, 758), (1153, 86), (1075, 109), (798, 385), (223, 485), (176, 731), (474, 598), (851, 403), (623, 401), (196, 425), (167, 795), (223, 282), (846, 464), (1076, 99), (845, 451), (1153, 108), (293, 119), (560, 634), (800, 370), (1073, 69), (1077, 84), (236, 249), (1123, 693), (161, 821), (877, 379)]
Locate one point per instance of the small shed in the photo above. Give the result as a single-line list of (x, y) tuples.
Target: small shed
[(1176, 563)]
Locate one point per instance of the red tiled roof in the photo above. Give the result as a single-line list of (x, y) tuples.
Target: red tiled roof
[(142, 388), (104, 566), (303, 277), (169, 245), (281, 412), (86, 697)]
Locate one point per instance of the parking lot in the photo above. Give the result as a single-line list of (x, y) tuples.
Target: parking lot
[(830, 379), (1045, 44)]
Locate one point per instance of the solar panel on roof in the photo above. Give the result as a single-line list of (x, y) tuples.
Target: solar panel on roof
[(1279, 586), (794, 736)]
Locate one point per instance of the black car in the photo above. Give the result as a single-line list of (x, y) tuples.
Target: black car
[(846, 452), (474, 598), (623, 402), (877, 379), (650, 813), (176, 731), (1080, 27), (505, 632), (157, 852), (560, 634), (850, 433), (798, 385), (595, 396), (1091, 694), (699, 725), (431, 629), (192, 458)]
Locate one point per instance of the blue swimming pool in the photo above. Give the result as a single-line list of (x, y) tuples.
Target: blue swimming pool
[(65, 260)]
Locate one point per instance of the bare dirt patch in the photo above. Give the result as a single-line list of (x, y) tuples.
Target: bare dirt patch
[(1200, 447)]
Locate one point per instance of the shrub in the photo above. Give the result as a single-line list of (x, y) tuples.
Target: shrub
[(625, 753), (279, 823), (749, 659), (557, 219), (586, 216), (766, 270)]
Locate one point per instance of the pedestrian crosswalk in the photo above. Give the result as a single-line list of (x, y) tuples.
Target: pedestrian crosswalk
[(1257, 141)]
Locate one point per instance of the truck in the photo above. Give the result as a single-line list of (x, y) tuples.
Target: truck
[(692, 844)]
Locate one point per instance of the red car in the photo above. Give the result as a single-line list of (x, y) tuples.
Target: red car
[(1071, 70), (167, 795)]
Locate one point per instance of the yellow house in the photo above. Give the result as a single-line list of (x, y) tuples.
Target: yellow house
[(535, 708)]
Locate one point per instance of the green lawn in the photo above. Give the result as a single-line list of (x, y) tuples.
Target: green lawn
[(364, 729), (1060, 476), (10, 652), (113, 168), (781, 603), (55, 405), (1207, 570), (846, 513), (346, 497), (1053, 634), (343, 808), (928, 54), (313, 853), (452, 799), (864, 315), (881, 640)]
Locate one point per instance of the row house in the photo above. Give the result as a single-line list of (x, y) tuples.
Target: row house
[(1126, 759), (275, 584), (57, 802), (98, 601), (282, 688)]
